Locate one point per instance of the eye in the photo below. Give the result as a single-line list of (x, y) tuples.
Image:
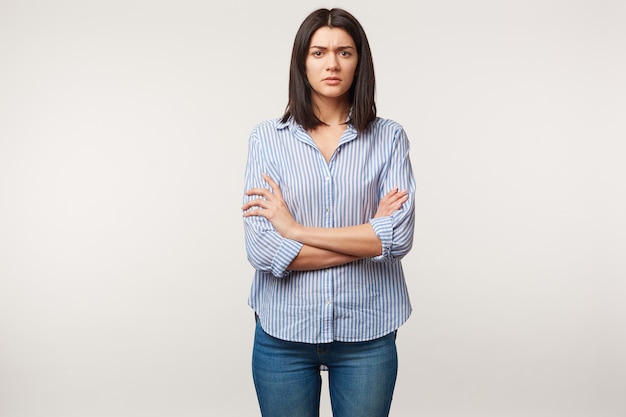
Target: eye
[(317, 53), (345, 53)]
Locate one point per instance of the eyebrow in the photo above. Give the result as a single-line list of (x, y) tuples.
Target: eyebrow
[(339, 48)]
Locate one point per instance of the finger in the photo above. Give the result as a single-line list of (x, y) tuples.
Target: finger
[(255, 203), (401, 201), (398, 192), (262, 192), (274, 185), (402, 195), (391, 193), (388, 197), (395, 192), (394, 196), (251, 213)]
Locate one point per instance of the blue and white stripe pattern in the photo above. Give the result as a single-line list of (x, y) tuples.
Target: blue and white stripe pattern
[(359, 301)]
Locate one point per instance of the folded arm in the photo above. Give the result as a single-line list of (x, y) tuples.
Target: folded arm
[(354, 242), (311, 258), (276, 243)]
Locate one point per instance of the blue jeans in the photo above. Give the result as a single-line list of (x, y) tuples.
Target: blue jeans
[(361, 376)]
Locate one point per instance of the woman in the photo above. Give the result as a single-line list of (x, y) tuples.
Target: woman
[(328, 214)]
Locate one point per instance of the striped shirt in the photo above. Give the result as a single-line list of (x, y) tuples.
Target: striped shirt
[(358, 301)]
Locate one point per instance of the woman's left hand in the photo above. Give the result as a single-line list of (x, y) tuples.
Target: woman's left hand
[(391, 202), (272, 206)]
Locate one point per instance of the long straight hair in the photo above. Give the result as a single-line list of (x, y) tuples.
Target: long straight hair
[(300, 105)]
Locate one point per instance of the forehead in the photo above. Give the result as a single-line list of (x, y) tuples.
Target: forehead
[(329, 37)]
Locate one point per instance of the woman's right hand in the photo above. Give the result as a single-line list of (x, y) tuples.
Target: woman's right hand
[(271, 205), (391, 202)]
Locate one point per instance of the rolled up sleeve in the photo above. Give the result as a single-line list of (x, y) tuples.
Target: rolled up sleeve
[(266, 249), (396, 231)]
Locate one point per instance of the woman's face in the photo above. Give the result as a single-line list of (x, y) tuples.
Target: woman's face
[(331, 63)]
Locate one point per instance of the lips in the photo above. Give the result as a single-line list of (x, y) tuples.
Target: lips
[(332, 80)]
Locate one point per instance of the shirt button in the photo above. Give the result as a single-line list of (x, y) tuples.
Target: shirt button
[(328, 302), (327, 178)]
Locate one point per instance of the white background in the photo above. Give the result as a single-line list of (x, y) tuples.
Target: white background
[(123, 138)]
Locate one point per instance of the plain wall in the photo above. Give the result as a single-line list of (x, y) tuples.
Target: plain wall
[(123, 139)]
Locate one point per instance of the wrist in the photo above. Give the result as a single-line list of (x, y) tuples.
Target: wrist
[(296, 232)]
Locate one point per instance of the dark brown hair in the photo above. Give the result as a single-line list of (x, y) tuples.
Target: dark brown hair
[(363, 86)]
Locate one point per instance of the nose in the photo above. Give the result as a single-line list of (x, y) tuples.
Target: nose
[(333, 63)]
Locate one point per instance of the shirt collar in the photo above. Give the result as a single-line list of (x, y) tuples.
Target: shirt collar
[(293, 125), (281, 125)]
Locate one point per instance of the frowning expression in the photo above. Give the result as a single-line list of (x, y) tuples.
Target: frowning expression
[(331, 63)]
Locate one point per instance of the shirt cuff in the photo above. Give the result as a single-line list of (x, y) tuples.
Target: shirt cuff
[(383, 227), (287, 251)]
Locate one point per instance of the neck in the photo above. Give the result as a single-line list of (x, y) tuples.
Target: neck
[(331, 112)]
